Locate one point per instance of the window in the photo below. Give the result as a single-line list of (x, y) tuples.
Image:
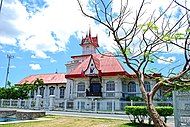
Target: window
[(109, 105), (62, 92), (81, 86), (147, 86), (87, 49), (132, 86), (110, 86), (32, 94), (42, 91), (51, 90), (124, 86)]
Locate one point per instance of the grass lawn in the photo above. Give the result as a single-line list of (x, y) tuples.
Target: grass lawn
[(63, 121)]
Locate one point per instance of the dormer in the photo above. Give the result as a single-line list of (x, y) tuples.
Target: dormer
[(89, 44)]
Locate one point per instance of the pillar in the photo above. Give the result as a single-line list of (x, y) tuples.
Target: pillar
[(19, 103), (38, 101), (51, 102)]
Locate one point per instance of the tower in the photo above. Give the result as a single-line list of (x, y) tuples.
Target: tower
[(89, 44)]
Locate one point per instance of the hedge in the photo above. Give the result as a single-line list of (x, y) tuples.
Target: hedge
[(140, 112)]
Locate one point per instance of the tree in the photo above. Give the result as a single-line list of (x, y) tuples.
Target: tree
[(20, 91), (142, 39)]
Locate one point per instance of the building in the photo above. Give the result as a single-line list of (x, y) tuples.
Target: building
[(93, 76), (54, 84), (90, 77)]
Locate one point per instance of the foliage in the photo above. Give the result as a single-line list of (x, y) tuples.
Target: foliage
[(19, 91), (140, 112), (134, 98), (142, 42)]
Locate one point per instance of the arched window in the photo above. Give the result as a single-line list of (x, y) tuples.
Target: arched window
[(110, 86), (62, 91), (32, 94), (51, 90), (131, 86), (147, 86), (42, 91), (81, 86)]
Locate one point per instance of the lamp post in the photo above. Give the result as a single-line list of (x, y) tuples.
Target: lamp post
[(8, 67), (1, 4)]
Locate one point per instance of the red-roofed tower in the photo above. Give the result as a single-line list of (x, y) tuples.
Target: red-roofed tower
[(89, 44)]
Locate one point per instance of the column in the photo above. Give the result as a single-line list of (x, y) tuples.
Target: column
[(79, 105), (57, 91), (10, 104), (65, 105), (113, 106), (30, 103), (46, 97), (51, 102), (96, 106), (19, 103), (1, 102), (38, 101)]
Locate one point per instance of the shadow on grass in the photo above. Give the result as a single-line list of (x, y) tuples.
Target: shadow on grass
[(135, 125)]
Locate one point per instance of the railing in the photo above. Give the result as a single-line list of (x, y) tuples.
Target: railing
[(109, 106), (89, 93)]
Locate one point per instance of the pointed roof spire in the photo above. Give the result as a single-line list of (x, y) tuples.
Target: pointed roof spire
[(89, 33)]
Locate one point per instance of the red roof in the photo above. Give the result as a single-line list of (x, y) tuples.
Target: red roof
[(90, 39), (106, 65), (56, 78)]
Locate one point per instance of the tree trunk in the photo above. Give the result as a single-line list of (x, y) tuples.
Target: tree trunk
[(158, 122)]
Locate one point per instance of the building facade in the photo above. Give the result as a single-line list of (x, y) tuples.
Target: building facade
[(54, 84), (90, 77)]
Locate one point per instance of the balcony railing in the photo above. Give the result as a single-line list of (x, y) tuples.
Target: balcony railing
[(89, 93)]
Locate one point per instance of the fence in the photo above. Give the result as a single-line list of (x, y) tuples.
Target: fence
[(182, 108), (112, 106)]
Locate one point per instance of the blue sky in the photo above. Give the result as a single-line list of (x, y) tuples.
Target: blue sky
[(43, 34)]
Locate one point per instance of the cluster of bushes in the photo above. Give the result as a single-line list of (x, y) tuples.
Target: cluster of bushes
[(19, 91), (15, 92), (140, 112), (134, 98)]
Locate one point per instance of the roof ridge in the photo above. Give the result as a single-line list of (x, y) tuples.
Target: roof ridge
[(45, 74)]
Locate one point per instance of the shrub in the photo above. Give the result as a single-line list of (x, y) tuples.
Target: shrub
[(134, 98), (165, 111), (140, 112)]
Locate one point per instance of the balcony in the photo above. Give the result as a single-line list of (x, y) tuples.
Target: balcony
[(93, 94)]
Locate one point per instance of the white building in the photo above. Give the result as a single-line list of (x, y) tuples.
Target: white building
[(89, 77)]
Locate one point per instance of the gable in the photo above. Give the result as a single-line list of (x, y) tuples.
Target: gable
[(91, 70)]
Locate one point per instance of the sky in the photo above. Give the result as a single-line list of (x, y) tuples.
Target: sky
[(42, 35)]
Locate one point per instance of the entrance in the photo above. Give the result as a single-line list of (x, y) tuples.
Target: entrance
[(95, 87)]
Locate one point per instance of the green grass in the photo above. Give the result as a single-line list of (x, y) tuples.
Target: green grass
[(66, 121)]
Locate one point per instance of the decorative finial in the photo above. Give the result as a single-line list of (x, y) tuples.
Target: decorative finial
[(89, 31)]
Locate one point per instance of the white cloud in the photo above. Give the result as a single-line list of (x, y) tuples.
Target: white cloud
[(164, 60), (40, 54), (52, 60), (35, 66), (50, 29), (12, 66), (11, 52), (18, 57)]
